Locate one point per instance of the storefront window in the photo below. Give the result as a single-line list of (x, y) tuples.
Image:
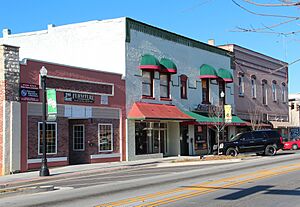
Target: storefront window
[(105, 137), (150, 137), (200, 139), (51, 138)]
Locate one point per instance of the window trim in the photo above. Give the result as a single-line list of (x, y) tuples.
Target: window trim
[(151, 84), (242, 85), (264, 92), (274, 91), (112, 137), (253, 87), (168, 86), (83, 137), (39, 133), (208, 91), (183, 90), (283, 92)]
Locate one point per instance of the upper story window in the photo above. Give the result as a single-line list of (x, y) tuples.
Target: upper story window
[(222, 89), (264, 92), (147, 83), (283, 92), (183, 86), (274, 90), (164, 85), (253, 86), (205, 91), (241, 85)]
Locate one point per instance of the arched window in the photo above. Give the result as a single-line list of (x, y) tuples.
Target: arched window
[(274, 90), (253, 86), (183, 86), (264, 92), (283, 92), (241, 84)]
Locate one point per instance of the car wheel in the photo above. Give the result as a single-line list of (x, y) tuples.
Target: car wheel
[(232, 152), (295, 147), (270, 150)]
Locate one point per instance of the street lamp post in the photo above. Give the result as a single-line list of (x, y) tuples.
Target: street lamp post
[(222, 95), (44, 171)]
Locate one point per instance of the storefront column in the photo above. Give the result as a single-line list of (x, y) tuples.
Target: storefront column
[(173, 139)]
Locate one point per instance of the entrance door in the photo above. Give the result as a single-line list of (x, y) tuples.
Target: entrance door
[(184, 145), (212, 140), (77, 148)]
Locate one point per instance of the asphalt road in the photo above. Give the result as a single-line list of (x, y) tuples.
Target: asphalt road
[(268, 181)]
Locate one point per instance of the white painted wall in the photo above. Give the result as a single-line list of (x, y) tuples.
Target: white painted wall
[(95, 44), (15, 136), (188, 61)]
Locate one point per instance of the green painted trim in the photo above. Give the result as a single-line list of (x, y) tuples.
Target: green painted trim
[(164, 34)]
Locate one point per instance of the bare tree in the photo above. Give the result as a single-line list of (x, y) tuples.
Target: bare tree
[(271, 29), (216, 114), (255, 116)]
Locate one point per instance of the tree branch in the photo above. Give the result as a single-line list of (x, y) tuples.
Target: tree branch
[(273, 5)]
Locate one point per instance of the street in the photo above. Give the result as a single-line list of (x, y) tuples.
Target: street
[(253, 182)]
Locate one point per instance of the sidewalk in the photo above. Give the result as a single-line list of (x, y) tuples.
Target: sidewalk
[(70, 170)]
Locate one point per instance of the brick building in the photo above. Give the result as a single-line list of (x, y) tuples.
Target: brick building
[(89, 124)]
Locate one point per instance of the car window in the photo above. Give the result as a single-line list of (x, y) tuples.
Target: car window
[(259, 134), (273, 134), (247, 136)]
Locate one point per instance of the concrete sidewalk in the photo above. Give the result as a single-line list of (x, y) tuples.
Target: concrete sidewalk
[(73, 170)]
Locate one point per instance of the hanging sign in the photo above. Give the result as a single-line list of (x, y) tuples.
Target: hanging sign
[(29, 92), (52, 106), (228, 114)]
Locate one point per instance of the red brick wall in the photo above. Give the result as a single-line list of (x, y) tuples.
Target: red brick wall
[(30, 74), (91, 139), (62, 138)]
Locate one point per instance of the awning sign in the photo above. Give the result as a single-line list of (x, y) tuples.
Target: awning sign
[(228, 114), (51, 99)]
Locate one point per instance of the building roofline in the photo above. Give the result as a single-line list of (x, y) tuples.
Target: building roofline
[(171, 36), (24, 62), (255, 52)]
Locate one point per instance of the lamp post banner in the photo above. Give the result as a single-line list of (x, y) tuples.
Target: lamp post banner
[(51, 99), (228, 114)]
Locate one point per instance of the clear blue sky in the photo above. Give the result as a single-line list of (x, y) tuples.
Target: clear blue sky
[(197, 19)]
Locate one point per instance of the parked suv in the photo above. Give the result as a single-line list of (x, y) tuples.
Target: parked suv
[(261, 142)]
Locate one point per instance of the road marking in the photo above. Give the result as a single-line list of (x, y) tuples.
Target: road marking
[(173, 195)]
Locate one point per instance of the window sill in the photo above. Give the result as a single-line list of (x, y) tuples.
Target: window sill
[(184, 98), (148, 97), (165, 99)]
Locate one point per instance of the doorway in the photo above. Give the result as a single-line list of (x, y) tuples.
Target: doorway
[(77, 143), (212, 139), (184, 145)]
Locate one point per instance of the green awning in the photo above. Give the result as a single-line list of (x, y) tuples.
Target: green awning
[(149, 62), (168, 66), (207, 71), (225, 75), (206, 120)]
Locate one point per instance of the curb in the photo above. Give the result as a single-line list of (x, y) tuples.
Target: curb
[(18, 191)]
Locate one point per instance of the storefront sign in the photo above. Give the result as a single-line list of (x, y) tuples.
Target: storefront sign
[(78, 97), (228, 114), (52, 106), (29, 92), (205, 108)]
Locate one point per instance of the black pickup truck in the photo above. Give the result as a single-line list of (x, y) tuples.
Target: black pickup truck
[(261, 142)]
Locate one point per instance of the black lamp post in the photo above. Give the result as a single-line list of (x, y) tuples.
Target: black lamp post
[(222, 95), (44, 171)]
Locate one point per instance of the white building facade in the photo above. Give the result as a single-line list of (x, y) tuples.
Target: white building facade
[(164, 105)]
